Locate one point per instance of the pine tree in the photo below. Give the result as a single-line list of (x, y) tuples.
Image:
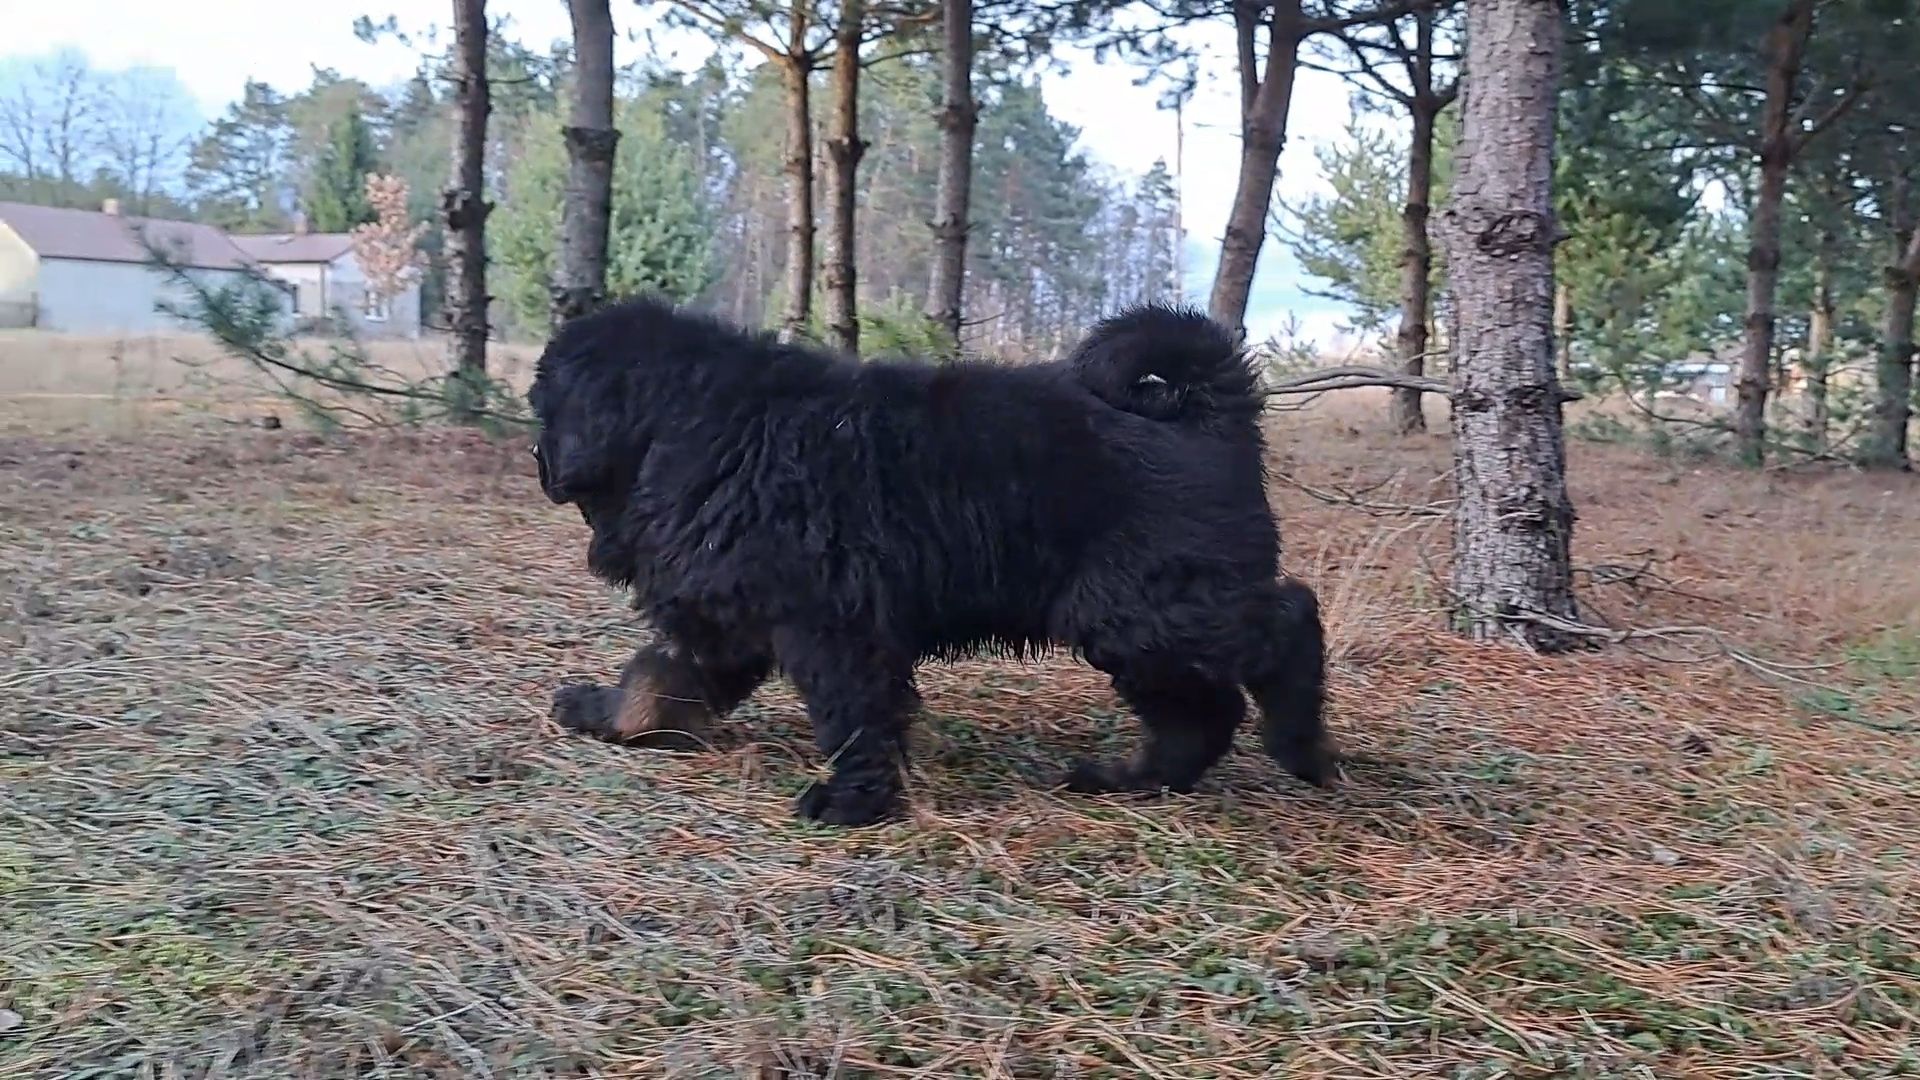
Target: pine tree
[(1513, 529), (660, 227), (237, 169), (591, 139), (1404, 64), (464, 208), (1350, 237), (336, 194), (1158, 208), (959, 118)]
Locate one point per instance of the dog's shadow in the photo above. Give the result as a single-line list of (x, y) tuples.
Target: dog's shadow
[(969, 765), (1484, 798), (962, 757)]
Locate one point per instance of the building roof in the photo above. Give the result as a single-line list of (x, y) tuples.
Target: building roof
[(294, 247), (57, 232)]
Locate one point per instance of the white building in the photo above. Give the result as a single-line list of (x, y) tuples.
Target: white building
[(86, 271), (329, 286)]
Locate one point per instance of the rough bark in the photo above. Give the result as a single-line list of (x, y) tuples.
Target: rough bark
[(1820, 340), (796, 72), (464, 209), (958, 117), (580, 284), (1563, 331), (844, 151), (1513, 527), (1265, 100), (1786, 48), (1893, 404), (1416, 255)]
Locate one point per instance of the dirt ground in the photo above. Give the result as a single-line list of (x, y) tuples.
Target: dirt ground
[(278, 798)]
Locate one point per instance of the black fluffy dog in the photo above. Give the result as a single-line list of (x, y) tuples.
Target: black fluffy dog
[(773, 506)]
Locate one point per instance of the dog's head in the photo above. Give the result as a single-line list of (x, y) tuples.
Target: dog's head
[(587, 443)]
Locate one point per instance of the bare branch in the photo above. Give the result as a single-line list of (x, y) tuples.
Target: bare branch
[(1384, 13), (1357, 500), (730, 28), (1386, 87), (1355, 376), (1806, 131), (1910, 259)]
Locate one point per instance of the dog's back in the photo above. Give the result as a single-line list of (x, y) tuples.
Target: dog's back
[(957, 503)]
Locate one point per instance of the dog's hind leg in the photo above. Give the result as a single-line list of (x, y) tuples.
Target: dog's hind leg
[(1190, 720), (665, 701), (860, 698), (1285, 671)]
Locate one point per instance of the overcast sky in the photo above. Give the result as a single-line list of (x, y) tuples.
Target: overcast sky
[(216, 45)]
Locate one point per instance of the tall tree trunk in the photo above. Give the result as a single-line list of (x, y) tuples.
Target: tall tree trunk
[(1820, 340), (1416, 253), (1264, 101), (464, 209), (844, 151), (797, 73), (1180, 192), (958, 118), (1563, 330), (1513, 528), (1893, 405), (1786, 47), (581, 283)]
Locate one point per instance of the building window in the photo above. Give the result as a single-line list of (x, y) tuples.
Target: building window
[(376, 308)]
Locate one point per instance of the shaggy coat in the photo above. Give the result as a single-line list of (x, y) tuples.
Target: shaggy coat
[(776, 507)]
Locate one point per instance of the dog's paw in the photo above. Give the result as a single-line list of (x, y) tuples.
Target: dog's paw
[(581, 707), (1314, 763), (832, 804)]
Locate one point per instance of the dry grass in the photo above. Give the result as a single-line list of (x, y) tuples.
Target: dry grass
[(278, 798), (57, 382)]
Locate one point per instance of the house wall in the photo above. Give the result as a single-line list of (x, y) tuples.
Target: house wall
[(108, 297), (19, 280), (348, 286), (311, 286)]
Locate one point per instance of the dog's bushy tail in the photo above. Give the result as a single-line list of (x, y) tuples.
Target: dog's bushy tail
[(1168, 363)]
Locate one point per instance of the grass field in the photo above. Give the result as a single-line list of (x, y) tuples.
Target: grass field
[(278, 797), (127, 385)]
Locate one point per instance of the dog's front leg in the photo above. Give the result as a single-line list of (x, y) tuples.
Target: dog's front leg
[(860, 698), (665, 700)]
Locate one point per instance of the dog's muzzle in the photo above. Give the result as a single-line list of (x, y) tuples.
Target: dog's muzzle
[(558, 494), (540, 463)]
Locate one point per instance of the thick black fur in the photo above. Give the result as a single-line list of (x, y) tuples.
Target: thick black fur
[(777, 507)]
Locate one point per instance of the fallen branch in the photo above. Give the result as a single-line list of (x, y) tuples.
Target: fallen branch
[(1717, 639), (1643, 580), (1357, 500)]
